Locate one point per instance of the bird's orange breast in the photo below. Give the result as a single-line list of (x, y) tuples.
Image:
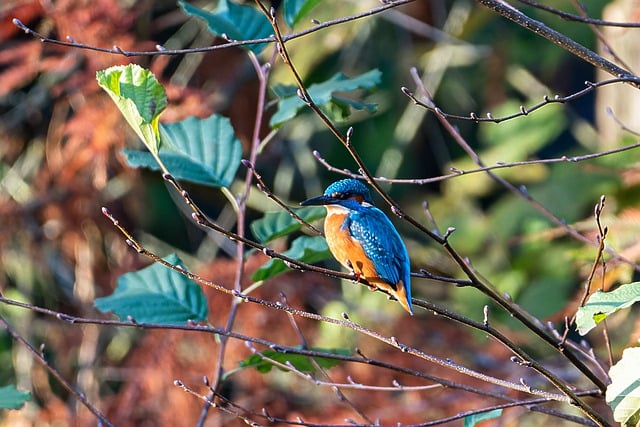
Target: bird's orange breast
[(345, 248)]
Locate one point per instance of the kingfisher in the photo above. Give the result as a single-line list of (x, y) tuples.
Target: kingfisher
[(363, 239)]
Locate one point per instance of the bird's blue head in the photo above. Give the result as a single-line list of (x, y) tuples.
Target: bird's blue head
[(345, 192)]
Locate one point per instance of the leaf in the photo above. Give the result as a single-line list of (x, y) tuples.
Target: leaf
[(323, 95), (277, 224), (139, 97), (299, 361), (157, 294), (602, 304), (12, 398), (623, 394), (282, 91), (304, 248), (294, 10), (204, 151), (472, 420), (236, 21)]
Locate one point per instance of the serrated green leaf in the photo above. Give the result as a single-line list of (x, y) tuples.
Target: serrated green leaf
[(474, 419), (602, 304), (157, 294), (323, 95), (300, 362), (139, 97), (12, 398), (277, 224), (203, 151), (304, 248), (623, 394), (236, 21), (294, 10)]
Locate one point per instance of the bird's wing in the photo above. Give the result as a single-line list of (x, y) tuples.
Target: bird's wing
[(382, 244)]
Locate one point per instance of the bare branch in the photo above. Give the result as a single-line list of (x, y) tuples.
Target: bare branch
[(524, 111), (160, 50), (566, 43), (39, 356), (578, 18)]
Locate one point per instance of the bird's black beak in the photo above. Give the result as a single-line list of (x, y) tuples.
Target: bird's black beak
[(320, 200)]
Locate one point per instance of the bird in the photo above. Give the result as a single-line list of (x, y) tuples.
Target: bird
[(363, 239)]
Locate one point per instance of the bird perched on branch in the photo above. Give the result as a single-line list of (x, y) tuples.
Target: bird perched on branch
[(363, 239)]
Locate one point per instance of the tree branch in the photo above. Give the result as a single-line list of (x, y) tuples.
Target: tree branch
[(506, 10)]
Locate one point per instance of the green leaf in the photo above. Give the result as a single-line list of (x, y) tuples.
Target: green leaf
[(139, 97), (204, 151), (12, 398), (323, 95), (277, 224), (236, 21), (623, 394), (472, 420), (157, 294), (300, 362), (304, 248), (294, 10), (602, 304), (282, 91)]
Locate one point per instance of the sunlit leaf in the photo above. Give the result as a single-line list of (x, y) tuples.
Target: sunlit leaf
[(235, 21), (157, 294), (300, 362), (602, 304), (294, 10), (139, 97), (474, 419), (623, 394), (277, 224), (304, 248), (323, 95), (12, 398), (204, 151)]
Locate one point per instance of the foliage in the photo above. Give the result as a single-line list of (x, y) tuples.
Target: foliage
[(623, 394), (473, 420), (234, 21), (203, 151), (264, 361), (157, 294), (140, 99), (323, 94), (601, 304), (279, 224), (12, 398), (519, 193), (304, 249)]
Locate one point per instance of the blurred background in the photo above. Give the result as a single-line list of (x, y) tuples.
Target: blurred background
[(60, 162)]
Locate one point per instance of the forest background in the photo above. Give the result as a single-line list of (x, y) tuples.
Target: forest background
[(492, 145)]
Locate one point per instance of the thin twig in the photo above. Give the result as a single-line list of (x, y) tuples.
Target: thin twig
[(525, 111), (262, 72), (578, 18), (507, 11), (235, 43), (39, 356), (262, 186), (606, 46), (312, 353), (457, 172)]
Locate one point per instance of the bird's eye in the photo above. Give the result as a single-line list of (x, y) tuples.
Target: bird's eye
[(338, 195)]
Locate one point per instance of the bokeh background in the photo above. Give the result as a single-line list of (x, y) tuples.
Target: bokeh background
[(60, 162)]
